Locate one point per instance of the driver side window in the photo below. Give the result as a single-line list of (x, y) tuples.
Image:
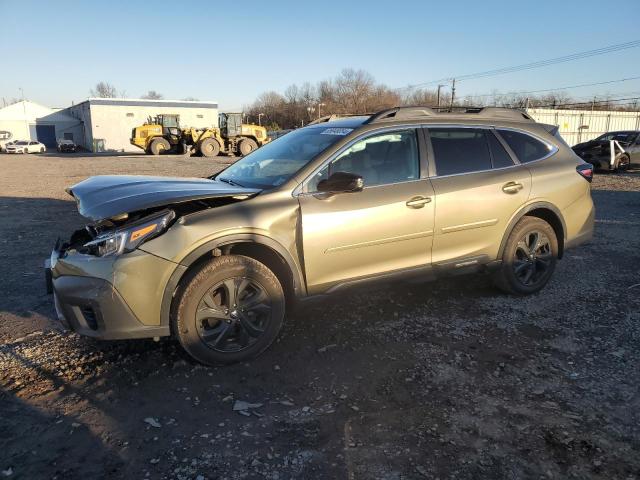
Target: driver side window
[(381, 159)]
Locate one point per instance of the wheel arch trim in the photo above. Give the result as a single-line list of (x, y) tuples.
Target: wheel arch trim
[(210, 246), (523, 212)]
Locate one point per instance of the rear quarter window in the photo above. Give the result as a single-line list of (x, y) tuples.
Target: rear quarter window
[(526, 147)]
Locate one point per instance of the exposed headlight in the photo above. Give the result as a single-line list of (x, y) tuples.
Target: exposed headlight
[(128, 238)]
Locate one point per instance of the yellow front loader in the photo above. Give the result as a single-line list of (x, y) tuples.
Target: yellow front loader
[(163, 134)]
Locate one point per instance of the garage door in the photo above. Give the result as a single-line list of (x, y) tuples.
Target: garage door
[(46, 134)]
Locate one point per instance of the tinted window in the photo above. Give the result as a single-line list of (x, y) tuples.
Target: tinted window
[(380, 159), (460, 150), (526, 148), (500, 156)]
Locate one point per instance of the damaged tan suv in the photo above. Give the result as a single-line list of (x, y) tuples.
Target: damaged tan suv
[(407, 192)]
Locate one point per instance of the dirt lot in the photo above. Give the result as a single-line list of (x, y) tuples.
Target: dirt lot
[(443, 380)]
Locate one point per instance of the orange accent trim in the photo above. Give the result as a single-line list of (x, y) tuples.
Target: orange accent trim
[(136, 234)]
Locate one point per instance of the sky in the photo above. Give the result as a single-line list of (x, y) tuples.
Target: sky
[(230, 52)]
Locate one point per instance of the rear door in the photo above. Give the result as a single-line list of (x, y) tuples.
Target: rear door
[(478, 187), (386, 227)]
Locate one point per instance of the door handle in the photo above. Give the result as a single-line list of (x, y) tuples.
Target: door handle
[(418, 202), (512, 187)]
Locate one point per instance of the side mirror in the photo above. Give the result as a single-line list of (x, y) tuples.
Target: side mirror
[(341, 182)]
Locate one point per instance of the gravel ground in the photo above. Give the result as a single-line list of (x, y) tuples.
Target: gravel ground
[(441, 380)]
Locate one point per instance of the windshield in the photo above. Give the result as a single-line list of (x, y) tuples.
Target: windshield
[(277, 161), (21, 143), (618, 136)]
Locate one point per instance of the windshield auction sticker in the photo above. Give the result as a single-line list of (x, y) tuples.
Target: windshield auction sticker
[(337, 131)]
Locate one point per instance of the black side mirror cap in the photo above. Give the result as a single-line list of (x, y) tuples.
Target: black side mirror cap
[(341, 182)]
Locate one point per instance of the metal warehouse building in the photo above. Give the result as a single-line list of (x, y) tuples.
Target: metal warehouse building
[(107, 122), (27, 120), (582, 125)]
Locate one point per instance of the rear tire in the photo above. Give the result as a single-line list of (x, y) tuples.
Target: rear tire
[(230, 309), (159, 146), (622, 163), (529, 257), (209, 147), (247, 146)]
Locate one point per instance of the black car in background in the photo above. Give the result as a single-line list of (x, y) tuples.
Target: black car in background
[(598, 151), (67, 146)]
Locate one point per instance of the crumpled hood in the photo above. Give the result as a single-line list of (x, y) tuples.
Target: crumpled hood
[(594, 144), (107, 196)]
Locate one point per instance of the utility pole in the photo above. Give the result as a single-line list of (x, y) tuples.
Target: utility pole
[(320, 105), (453, 92), (439, 88)]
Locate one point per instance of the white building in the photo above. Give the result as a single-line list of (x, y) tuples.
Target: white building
[(27, 120), (582, 125), (108, 122)]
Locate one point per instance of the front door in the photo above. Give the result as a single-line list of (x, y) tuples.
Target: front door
[(634, 150), (478, 189), (386, 227)]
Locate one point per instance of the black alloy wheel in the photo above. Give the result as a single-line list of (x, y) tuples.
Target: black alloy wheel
[(532, 259), (228, 309), (529, 257), (233, 314)]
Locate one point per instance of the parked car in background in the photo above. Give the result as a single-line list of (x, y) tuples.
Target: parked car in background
[(407, 192), (3, 148), (26, 146), (626, 145), (66, 146)]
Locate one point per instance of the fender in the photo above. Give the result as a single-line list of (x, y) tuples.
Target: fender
[(521, 213), (186, 262)]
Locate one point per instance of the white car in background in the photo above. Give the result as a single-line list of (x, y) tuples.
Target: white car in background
[(26, 146)]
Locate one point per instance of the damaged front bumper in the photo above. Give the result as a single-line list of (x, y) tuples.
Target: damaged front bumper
[(108, 298)]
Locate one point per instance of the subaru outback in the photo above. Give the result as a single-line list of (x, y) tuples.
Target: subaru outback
[(407, 192)]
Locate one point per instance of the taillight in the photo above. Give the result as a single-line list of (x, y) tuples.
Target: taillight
[(586, 171)]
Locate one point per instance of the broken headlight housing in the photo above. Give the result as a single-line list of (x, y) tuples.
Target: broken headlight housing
[(129, 237)]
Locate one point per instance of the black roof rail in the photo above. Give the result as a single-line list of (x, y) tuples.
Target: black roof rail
[(416, 113), (401, 113), (335, 116), (498, 112)]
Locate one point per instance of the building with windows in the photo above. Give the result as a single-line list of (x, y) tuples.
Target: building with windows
[(28, 120), (108, 122)]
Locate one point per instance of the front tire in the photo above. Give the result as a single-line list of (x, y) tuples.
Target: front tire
[(159, 146), (247, 146), (529, 257), (209, 147), (230, 309)]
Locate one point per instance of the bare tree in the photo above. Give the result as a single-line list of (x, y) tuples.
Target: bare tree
[(152, 95), (104, 90), (356, 91)]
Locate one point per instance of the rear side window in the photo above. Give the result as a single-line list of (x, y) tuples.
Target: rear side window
[(460, 150), (500, 156), (526, 148)]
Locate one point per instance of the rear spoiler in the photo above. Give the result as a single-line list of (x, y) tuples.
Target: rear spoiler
[(551, 129)]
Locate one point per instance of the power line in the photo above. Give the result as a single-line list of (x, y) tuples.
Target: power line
[(555, 89), (528, 66)]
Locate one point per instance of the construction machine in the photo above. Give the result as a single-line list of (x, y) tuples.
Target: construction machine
[(163, 134)]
